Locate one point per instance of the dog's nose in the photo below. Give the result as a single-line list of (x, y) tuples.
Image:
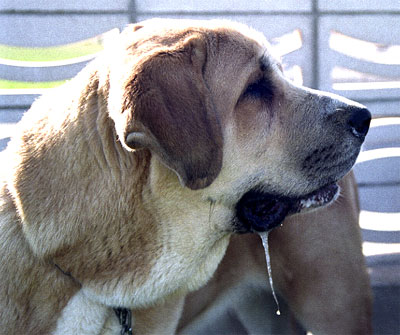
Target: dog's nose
[(359, 121)]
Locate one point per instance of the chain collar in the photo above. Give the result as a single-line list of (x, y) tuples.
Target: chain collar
[(124, 316)]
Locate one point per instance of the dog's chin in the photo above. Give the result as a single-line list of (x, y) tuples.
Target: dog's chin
[(258, 211)]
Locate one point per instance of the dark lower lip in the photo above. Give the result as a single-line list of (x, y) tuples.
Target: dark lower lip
[(258, 211), (318, 198)]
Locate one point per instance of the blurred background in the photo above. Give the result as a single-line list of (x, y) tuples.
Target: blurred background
[(351, 48)]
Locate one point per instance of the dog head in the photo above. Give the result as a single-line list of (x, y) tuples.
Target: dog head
[(212, 103)]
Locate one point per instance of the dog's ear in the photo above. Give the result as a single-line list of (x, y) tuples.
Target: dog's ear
[(173, 115)]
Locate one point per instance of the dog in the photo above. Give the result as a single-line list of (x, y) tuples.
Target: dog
[(123, 186)]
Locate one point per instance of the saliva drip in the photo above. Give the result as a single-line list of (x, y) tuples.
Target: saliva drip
[(264, 238)]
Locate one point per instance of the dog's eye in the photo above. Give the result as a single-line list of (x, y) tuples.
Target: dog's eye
[(261, 89)]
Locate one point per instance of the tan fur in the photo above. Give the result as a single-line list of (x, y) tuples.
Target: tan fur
[(122, 184)]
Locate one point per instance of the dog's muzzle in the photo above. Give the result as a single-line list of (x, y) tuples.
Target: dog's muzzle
[(259, 211)]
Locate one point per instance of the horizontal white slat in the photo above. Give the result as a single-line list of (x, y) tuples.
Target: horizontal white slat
[(375, 154), (50, 30), (222, 5), (379, 221), (381, 248), (364, 49), (60, 5), (371, 28)]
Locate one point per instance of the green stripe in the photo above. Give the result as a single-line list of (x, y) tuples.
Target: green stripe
[(68, 51)]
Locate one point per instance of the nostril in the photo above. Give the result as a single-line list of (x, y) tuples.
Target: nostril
[(359, 121)]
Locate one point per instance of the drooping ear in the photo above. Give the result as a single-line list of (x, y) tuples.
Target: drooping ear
[(173, 113)]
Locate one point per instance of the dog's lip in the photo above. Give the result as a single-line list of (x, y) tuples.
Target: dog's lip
[(318, 198), (258, 211)]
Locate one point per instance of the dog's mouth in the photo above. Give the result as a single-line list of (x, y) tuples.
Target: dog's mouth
[(257, 211)]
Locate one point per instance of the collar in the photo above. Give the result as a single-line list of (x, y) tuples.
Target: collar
[(124, 316)]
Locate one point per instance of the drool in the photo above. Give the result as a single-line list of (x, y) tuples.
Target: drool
[(264, 238)]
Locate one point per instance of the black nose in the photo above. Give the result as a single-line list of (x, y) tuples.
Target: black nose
[(359, 121)]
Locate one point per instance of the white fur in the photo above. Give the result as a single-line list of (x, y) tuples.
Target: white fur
[(83, 316)]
